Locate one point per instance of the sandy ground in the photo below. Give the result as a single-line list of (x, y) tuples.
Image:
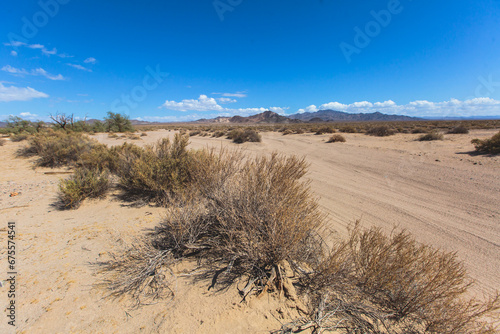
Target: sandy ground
[(441, 193)]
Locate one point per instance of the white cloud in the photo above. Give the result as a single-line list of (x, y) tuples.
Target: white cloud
[(311, 108), (13, 53), (90, 60), (205, 103), (482, 106), (27, 115), (35, 72), (8, 94), (80, 67)]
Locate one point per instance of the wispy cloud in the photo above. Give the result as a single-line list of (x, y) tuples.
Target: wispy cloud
[(13, 53), (482, 106), (35, 72), (12, 93), (40, 47), (80, 67), (90, 60), (237, 94)]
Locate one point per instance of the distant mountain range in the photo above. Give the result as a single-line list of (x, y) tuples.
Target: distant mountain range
[(319, 116), (340, 116)]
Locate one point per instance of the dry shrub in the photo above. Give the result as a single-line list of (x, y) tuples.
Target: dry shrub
[(218, 134), (239, 136), (433, 135), (287, 132), (2, 142), (325, 129), (459, 130), (157, 171), (19, 137), (380, 131), (418, 130), (491, 145), (144, 134), (299, 131), (194, 133), (112, 135), (84, 183), (336, 139), (140, 270), (374, 283), (348, 129), (58, 148)]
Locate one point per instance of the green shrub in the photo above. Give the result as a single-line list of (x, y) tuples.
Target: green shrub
[(84, 183), (433, 135), (118, 123), (380, 131), (459, 130), (336, 139), (244, 135), (491, 145)]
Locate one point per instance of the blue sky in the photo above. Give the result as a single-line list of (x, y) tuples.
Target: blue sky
[(184, 60)]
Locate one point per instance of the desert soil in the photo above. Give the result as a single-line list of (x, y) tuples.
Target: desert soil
[(439, 191)]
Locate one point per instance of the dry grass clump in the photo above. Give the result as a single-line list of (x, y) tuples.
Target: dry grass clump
[(19, 137), (112, 135), (458, 130), (156, 171), (58, 148), (380, 131), (374, 283), (84, 183), (239, 136), (433, 135), (491, 145), (2, 142), (325, 129), (336, 139), (418, 130), (194, 133), (144, 134)]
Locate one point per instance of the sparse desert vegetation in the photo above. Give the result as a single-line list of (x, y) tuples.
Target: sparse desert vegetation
[(240, 136), (491, 145), (460, 129), (255, 220)]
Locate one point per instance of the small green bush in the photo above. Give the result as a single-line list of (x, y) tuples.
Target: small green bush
[(433, 135), (336, 139), (491, 145), (85, 183), (380, 131)]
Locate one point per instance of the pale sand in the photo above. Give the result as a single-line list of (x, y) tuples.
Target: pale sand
[(441, 194)]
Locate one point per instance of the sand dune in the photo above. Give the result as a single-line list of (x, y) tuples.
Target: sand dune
[(440, 193)]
